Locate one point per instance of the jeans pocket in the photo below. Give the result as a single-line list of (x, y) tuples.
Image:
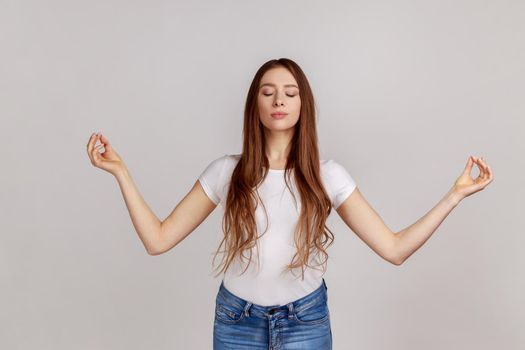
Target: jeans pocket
[(227, 313), (314, 314)]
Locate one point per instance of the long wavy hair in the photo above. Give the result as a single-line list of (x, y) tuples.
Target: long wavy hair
[(311, 235)]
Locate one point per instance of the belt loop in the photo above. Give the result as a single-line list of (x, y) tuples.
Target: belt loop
[(290, 310), (246, 308)]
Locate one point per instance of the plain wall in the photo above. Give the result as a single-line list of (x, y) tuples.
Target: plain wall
[(406, 91)]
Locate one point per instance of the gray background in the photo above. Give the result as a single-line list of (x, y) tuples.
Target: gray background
[(405, 91)]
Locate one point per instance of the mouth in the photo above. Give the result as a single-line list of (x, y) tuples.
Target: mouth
[(279, 115)]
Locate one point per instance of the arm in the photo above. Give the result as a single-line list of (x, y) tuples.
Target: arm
[(412, 237), (159, 237), (361, 218), (366, 223), (185, 218), (146, 223)]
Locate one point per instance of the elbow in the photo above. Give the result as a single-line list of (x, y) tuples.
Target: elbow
[(154, 251), (394, 260), (155, 247), (396, 257), (397, 261)]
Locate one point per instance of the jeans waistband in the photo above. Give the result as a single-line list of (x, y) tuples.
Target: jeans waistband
[(317, 296)]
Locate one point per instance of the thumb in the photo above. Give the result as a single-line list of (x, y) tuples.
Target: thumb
[(468, 167)]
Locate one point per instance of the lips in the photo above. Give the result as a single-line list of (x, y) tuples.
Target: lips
[(279, 115)]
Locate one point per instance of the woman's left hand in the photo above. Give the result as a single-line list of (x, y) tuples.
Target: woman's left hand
[(465, 185)]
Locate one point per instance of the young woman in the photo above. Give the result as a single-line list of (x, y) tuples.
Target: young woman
[(276, 196)]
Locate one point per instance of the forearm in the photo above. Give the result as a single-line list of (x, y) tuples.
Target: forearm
[(414, 236), (146, 223)]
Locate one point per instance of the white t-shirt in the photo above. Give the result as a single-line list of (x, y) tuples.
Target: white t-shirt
[(266, 285)]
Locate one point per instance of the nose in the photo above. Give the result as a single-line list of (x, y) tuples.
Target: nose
[(278, 102)]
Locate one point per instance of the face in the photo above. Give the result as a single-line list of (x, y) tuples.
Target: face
[(278, 92)]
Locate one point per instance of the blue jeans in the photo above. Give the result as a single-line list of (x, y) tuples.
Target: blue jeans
[(301, 324)]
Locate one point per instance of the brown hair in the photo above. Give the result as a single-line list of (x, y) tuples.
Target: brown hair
[(239, 225)]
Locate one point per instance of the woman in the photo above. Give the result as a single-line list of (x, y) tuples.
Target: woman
[(276, 196)]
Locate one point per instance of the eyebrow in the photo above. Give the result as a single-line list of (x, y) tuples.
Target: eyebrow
[(270, 84)]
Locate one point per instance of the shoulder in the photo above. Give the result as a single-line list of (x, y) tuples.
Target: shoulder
[(331, 168), (222, 167), (230, 162), (334, 170), (232, 158), (215, 177), (224, 160), (337, 180)]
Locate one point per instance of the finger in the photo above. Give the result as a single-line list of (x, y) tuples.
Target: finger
[(474, 160), (485, 168), (490, 175), (97, 138), (105, 141), (96, 155), (90, 142), (484, 162), (485, 182), (93, 156), (468, 167), (480, 167)]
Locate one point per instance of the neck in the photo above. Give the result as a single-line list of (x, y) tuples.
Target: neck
[(278, 144)]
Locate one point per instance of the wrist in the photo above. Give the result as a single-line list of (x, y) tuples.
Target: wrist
[(453, 197), (121, 173)]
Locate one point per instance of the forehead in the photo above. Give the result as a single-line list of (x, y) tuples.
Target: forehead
[(279, 76)]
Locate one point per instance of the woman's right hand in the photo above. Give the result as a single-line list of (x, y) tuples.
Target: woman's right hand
[(108, 160)]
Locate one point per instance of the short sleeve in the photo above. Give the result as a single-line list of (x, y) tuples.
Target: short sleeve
[(211, 179), (338, 182)]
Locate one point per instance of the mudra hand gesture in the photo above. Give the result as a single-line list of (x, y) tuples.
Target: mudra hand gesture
[(465, 185), (109, 160)]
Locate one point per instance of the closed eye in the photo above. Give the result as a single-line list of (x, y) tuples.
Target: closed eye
[(286, 95)]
